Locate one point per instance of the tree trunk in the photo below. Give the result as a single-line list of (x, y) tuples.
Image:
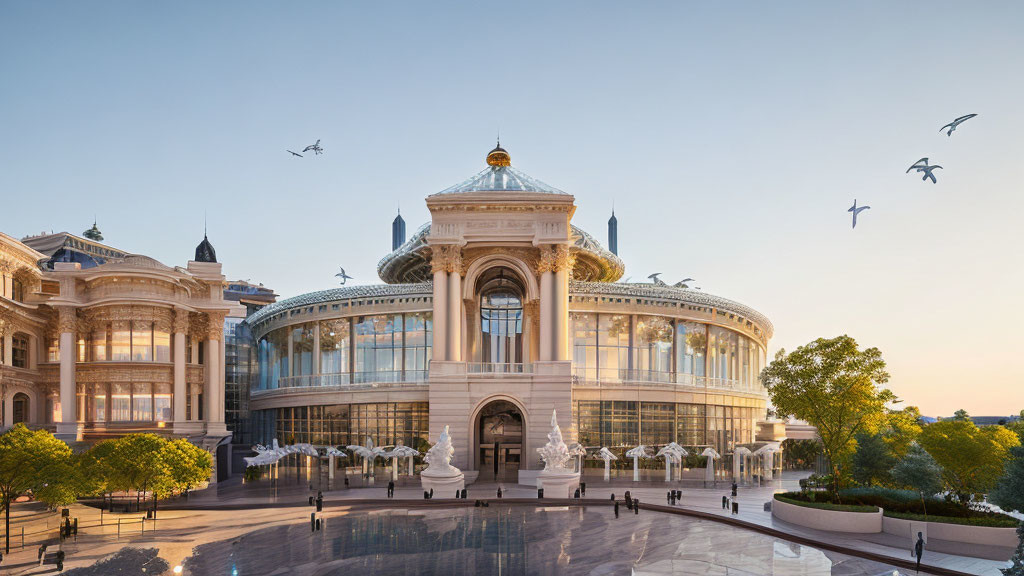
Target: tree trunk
[(7, 525)]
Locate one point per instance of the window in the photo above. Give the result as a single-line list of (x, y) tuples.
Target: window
[(120, 402), (121, 342), (162, 345), (53, 349), (378, 347), (584, 344), (17, 290), (418, 342), (613, 345), (302, 350), (142, 341), (19, 350), (162, 408), (501, 326), (691, 344), (334, 346), (654, 346), (100, 343)]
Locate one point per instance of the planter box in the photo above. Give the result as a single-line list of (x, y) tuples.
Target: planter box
[(988, 535), (831, 520)]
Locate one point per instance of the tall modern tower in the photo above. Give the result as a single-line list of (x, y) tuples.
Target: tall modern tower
[(397, 232), (613, 234)]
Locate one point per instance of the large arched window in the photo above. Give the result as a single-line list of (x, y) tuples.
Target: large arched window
[(501, 318), (21, 407)]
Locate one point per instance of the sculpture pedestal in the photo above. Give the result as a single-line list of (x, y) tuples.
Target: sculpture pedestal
[(558, 484), (444, 486)]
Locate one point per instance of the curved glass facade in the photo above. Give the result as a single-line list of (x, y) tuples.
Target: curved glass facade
[(622, 347), (387, 423), (377, 348)]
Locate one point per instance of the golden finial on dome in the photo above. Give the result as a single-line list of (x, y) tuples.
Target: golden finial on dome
[(498, 156)]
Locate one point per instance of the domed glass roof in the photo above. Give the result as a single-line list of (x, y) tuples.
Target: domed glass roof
[(500, 176)]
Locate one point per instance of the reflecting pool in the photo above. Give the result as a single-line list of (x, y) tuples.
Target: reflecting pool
[(515, 540)]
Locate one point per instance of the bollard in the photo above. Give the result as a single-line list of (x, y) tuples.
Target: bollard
[(425, 495), (613, 496), (668, 497), (431, 493), (636, 507), (735, 487), (457, 494), (616, 509), (735, 507), (320, 503), (75, 529), (576, 494), (119, 528), (725, 502), (310, 500), (583, 488), (312, 521), (540, 492), (317, 524), (463, 493)]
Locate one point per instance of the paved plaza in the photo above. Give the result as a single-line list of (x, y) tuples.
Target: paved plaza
[(229, 512)]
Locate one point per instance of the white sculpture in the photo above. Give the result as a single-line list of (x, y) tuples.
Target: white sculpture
[(439, 457), (369, 453), (401, 451), (606, 455), (738, 455), (555, 453), (556, 478), (440, 473), (767, 453), (577, 452), (673, 454), (711, 455), (636, 454)]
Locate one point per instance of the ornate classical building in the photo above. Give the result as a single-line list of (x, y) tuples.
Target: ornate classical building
[(493, 314), (98, 342)]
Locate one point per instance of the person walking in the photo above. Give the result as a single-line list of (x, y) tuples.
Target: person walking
[(919, 549)]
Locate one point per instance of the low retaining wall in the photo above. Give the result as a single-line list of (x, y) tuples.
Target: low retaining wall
[(832, 520), (988, 535)]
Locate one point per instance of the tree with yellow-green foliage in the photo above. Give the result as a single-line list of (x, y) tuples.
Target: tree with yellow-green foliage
[(972, 458), (835, 387), (902, 429)]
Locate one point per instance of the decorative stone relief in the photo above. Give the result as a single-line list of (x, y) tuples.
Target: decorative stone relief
[(446, 258), (67, 320), (546, 263), (564, 258)]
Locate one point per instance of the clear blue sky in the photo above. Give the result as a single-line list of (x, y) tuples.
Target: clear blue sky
[(732, 141)]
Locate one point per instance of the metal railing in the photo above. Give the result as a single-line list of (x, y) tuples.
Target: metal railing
[(604, 377), (499, 368), (352, 380)]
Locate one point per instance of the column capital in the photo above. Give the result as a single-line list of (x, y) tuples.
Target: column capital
[(180, 323), (446, 258), (6, 323), (215, 325), (564, 258), (546, 262)]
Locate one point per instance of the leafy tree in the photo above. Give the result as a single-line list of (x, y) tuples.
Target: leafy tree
[(187, 466), (135, 463), (30, 461), (801, 454), (902, 429), (872, 461), (918, 471), (1009, 495), (95, 463), (972, 458), (834, 387), (1017, 426), (961, 415)]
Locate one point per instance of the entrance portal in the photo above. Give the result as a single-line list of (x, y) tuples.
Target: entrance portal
[(500, 441)]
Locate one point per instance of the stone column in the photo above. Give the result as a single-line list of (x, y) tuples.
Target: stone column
[(180, 328), (8, 358), (544, 268), (316, 348), (564, 261), (454, 343), (214, 390), (440, 317), (67, 428)]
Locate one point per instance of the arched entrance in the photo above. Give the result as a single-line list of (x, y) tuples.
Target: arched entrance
[(499, 444), (20, 405)]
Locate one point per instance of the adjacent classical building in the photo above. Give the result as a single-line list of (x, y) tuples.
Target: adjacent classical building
[(492, 315), (98, 342)]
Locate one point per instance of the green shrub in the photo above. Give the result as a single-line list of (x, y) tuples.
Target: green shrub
[(797, 499), (253, 473), (991, 519)]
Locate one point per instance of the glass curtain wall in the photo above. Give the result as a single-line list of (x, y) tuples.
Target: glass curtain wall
[(386, 423), (654, 348), (501, 325), (691, 346)]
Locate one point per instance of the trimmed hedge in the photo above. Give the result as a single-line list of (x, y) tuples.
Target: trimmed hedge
[(788, 499), (994, 520)]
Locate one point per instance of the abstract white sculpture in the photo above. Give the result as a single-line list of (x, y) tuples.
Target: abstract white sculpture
[(577, 452), (606, 455), (555, 453), (673, 454), (369, 453), (737, 460), (767, 454), (636, 454), (711, 455), (440, 473), (401, 451)]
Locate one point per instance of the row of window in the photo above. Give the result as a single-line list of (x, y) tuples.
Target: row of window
[(389, 345), (119, 341), (133, 402), (623, 425), (19, 350), (610, 346), (387, 423)]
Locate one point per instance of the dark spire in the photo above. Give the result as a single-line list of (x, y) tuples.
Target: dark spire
[(205, 251), (613, 234), (93, 233), (397, 231)]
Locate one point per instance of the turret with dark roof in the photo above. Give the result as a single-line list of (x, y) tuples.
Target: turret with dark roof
[(205, 251)]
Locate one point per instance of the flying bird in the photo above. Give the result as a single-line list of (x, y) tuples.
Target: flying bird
[(654, 278), (952, 125), (294, 153), (314, 147), (683, 283), (922, 166), (856, 211), (343, 276)]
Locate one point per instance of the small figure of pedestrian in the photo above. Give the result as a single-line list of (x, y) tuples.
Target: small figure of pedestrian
[(391, 489), (636, 506), (616, 509), (735, 487), (499, 492), (919, 549), (668, 497), (725, 502), (613, 496), (431, 493)]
